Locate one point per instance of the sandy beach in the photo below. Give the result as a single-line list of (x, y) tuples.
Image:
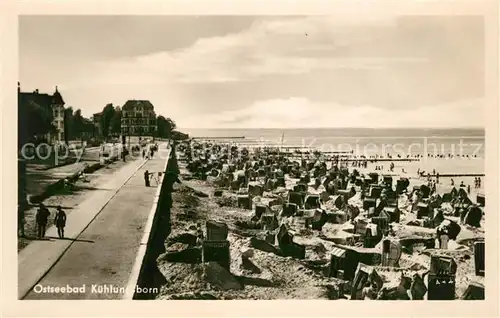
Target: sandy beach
[(269, 275)]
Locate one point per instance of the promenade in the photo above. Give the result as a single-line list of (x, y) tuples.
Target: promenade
[(103, 235)]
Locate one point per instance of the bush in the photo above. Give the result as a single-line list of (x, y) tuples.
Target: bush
[(177, 135)]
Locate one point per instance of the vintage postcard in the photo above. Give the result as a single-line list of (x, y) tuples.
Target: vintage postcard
[(301, 152)]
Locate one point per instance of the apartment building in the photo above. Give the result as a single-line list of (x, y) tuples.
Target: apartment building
[(53, 103), (138, 118)]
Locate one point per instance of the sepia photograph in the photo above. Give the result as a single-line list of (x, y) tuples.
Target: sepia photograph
[(253, 157)]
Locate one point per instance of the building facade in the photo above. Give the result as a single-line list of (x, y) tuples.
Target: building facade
[(138, 118), (51, 103)]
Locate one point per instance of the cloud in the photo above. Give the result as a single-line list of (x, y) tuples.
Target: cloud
[(269, 47), (372, 69), (298, 112)]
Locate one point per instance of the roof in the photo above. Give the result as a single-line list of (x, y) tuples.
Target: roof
[(43, 100), (58, 98), (338, 252), (138, 103)]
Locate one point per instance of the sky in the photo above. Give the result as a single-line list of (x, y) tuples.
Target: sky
[(368, 70)]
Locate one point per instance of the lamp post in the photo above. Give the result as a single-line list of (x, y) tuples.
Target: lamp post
[(128, 131)]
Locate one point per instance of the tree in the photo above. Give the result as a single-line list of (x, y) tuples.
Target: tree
[(165, 126), (177, 135), (116, 122), (35, 121), (171, 124), (79, 124), (69, 129), (107, 114)]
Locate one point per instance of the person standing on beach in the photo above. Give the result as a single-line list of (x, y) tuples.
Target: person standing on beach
[(42, 216), (468, 189), (60, 221), (146, 178)]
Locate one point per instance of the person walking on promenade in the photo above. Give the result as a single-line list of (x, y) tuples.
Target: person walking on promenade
[(143, 153), (478, 182), (468, 189), (452, 182), (42, 216), (60, 221), (146, 178)]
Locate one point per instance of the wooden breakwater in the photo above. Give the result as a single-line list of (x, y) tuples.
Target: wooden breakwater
[(351, 159), (219, 138), (453, 175)]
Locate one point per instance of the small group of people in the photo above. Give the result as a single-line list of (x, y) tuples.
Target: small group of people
[(360, 163), (429, 176), (149, 152), (42, 218), (432, 185), (477, 182)]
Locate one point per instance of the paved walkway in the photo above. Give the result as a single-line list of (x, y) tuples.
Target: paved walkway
[(104, 234)]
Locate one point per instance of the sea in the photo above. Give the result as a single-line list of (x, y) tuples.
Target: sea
[(362, 141)]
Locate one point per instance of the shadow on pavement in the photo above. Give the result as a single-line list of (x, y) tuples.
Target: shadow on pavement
[(35, 238), (69, 239), (30, 206), (81, 188)]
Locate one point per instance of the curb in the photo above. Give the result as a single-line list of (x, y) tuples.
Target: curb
[(143, 244)]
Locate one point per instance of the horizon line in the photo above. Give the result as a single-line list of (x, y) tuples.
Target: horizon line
[(280, 128)]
